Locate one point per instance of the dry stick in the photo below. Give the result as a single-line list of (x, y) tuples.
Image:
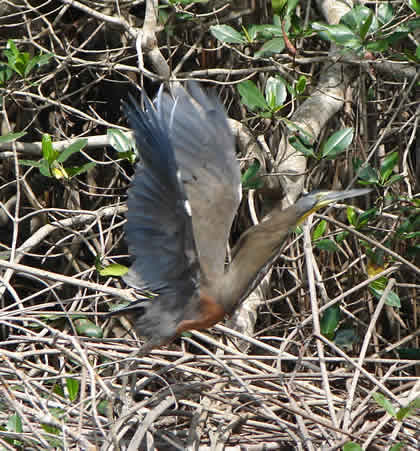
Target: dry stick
[(315, 317), (351, 361), (375, 243), (148, 421), (334, 301), (124, 294), (268, 411)]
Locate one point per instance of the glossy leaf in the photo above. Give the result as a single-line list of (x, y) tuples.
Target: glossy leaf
[(365, 26), (337, 143), (329, 321), (319, 230), (10, 137), (114, 269), (275, 92), (14, 424), (49, 154), (351, 216), (271, 47), (385, 12), (77, 170), (251, 96), (415, 6), (74, 147), (299, 146), (398, 447), (264, 31), (345, 338), (327, 245), (385, 403), (388, 165), (119, 140), (341, 34), (72, 388), (301, 85), (368, 175), (409, 353), (87, 328), (392, 299), (352, 446), (227, 34)]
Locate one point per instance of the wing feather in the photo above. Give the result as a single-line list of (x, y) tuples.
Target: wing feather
[(159, 230), (205, 153)]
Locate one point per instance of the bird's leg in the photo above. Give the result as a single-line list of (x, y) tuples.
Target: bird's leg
[(211, 313)]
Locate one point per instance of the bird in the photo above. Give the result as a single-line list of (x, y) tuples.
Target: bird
[(181, 205)]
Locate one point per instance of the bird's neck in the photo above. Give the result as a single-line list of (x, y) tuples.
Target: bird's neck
[(253, 255)]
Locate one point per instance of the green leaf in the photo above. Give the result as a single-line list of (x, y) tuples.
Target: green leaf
[(227, 34), (299, 146), (14, 424), (58, 390), (404, 412), (119, 140), (366, 216), (77, 170), (71, 149), (415, 6), (409, 410), (32, 163), (415, 403), (301, 85), (44, 168), (385, 403), (319, 230), (9, 137), (250, 178), (398, 447), (385, 12), (341, 34), (341, 236), (327, 245), (251, 96), (392, 299), (345, 338), (103, 407), (72, 388), (271, 47), (275, 92), (48, 152), (264, 31), (409, 353), (378, 46), (87, 328), (395, 178), (304, 136), (364, 28), (337, 143), (291, 6), (329, 321), (278, 5), (388, 165), (113, 270), (358, 18), (351, 216), (352, 446), (368, 174)]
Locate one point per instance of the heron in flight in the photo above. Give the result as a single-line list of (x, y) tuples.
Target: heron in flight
[(181, 206)]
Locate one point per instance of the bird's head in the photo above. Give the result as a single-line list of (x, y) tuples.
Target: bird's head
[(312, 202)]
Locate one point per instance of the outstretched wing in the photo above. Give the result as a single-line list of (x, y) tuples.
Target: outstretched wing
[(205, 154), (159, 230)]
